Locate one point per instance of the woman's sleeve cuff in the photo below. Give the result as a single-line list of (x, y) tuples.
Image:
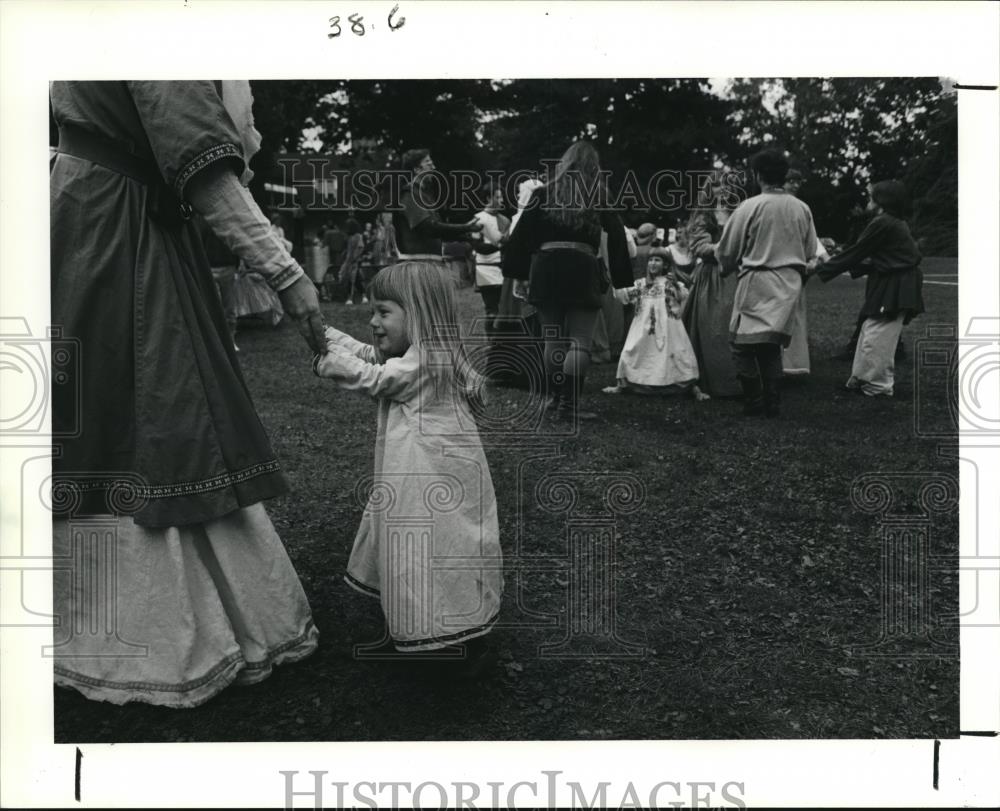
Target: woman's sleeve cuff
[(220, 152), (285, 278)]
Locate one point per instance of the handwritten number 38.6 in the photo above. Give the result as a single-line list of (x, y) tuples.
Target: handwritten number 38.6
[(357, 26)]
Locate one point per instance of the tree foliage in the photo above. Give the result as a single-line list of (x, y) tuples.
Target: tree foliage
[(638, 125), (846, 133), (283, 110), (440, 115), (843, 133)]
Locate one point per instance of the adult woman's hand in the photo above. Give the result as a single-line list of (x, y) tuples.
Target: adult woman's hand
[(301, 302)]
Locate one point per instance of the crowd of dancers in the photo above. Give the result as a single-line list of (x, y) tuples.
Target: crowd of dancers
[(717, 308), (711, 307)]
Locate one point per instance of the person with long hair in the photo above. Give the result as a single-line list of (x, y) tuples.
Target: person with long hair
[(428, 545), (888, 255), (555, 248), (682, 259), (709, 306)]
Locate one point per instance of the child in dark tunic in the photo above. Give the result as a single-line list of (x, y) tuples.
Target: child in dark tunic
[(888, 255)]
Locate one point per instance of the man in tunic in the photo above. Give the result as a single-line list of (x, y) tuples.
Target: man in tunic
[(769, 241)]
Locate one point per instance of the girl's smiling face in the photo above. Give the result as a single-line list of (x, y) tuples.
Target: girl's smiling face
[(654, 266), (388, 325)]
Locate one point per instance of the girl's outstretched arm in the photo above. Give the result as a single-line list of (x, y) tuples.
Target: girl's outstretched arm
[(397, 379), (342, 340)]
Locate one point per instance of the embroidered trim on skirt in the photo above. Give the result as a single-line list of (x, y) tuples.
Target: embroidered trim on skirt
[(180, 612), (432, 642)]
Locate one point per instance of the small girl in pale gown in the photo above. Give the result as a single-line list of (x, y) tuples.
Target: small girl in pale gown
[(658, 357), (428, 546)]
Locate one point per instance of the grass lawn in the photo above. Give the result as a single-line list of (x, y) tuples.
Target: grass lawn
[(747, 582)]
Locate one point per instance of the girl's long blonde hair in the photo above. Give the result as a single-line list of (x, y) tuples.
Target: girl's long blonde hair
[(426, 293)]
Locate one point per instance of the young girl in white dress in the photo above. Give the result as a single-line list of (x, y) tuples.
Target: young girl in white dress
[(658, 357), (428, 546)]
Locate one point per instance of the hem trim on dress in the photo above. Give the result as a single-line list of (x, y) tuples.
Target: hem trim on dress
[(431, 642), (163, 687), (192, 693), (257, 671), (653, 391), (357, 585), (766, 337)]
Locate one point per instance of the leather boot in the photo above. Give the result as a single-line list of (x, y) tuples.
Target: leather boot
[(769, 361), (569, 406), (753, 396), (772, 397)]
